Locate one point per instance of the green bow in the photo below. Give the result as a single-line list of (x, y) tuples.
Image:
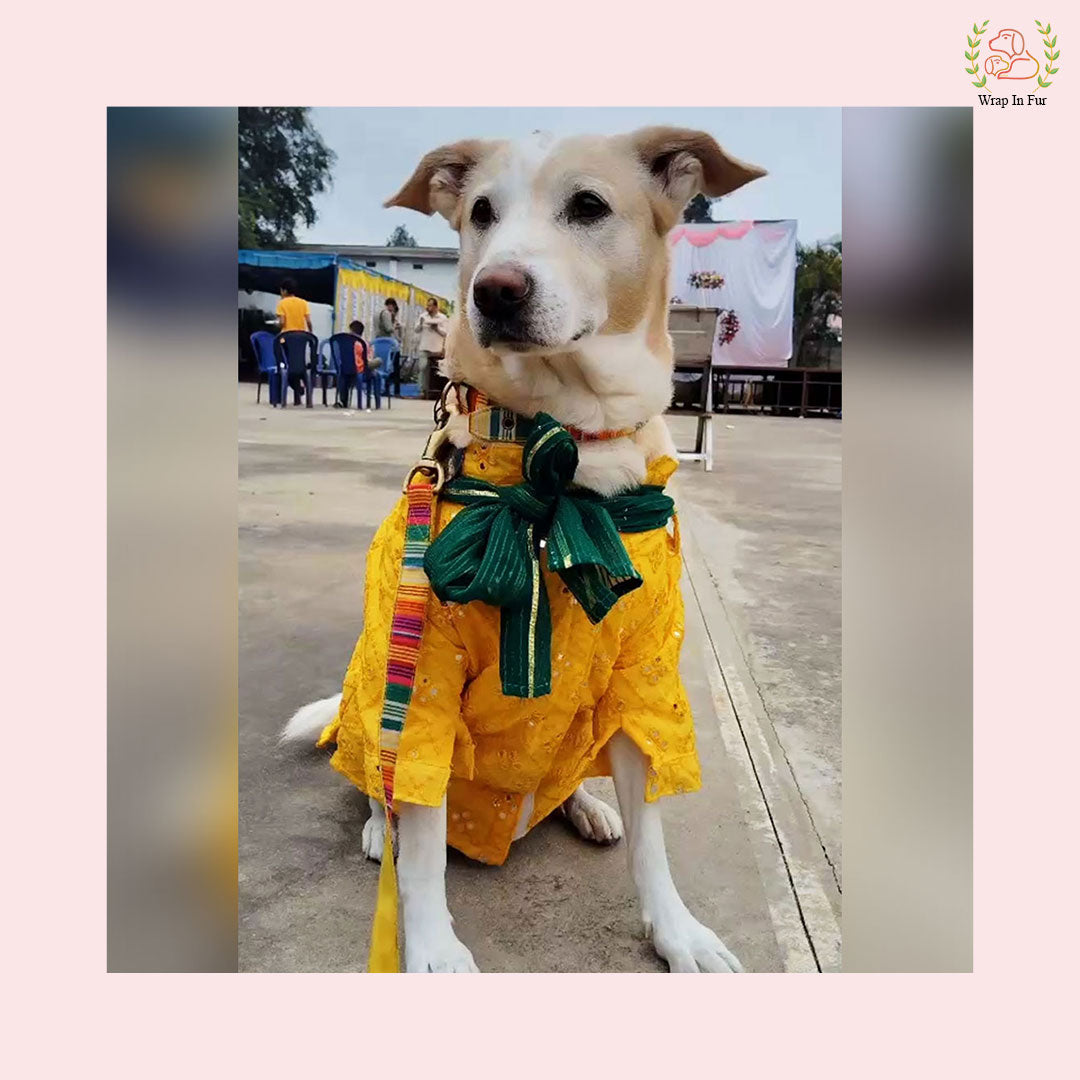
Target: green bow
[(490, 551)]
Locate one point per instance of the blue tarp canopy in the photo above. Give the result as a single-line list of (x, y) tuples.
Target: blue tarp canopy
[(313, 272), (287, 260)]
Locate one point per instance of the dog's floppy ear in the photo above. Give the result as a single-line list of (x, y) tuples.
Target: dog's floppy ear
[(682, 162), (440, 178)]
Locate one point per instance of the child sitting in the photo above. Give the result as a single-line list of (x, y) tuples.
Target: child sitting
[(372, 385), (351, 367)]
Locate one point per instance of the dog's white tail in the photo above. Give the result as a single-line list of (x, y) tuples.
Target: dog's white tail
[(308, 722)]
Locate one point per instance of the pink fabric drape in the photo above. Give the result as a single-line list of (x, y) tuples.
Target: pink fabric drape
[(734, 230)]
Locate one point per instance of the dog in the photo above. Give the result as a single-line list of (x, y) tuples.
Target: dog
[(562, 310), (1017, 63)]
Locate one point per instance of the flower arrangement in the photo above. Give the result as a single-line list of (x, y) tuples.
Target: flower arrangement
[(705, 279), (727, 326)]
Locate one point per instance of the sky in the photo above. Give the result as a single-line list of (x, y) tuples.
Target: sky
[(377, 150)]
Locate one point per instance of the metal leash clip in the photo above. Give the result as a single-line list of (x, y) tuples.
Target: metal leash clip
[(429, 461)]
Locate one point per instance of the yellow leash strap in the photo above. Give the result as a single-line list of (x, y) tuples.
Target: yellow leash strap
[(383, 955)]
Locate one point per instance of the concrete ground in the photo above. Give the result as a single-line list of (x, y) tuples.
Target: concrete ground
[(755, 853), (768, 517)]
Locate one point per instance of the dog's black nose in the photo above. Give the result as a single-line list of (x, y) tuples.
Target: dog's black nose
[(499, 291)]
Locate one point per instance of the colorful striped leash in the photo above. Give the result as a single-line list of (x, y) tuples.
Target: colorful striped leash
[(406, 628)]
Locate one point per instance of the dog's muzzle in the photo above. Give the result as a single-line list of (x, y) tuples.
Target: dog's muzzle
[(502, 296)]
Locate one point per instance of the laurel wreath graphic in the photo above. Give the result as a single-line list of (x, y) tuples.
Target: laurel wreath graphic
[(972, 52), (1051, 51)]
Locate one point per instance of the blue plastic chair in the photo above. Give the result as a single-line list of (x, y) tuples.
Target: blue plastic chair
[(297, 354), (385, 349), (327, 366), (262, 341), (344, 358)]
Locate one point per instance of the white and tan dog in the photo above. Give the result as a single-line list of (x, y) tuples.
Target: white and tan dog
[(562, 308)]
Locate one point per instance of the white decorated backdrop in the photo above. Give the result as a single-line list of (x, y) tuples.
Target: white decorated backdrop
[(757, 262)]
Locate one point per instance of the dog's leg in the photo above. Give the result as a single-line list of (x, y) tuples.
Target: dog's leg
[(430, 942), (371, 840), (676, 935), (592, 817)]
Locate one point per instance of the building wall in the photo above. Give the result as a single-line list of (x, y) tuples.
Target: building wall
[(435, 275)]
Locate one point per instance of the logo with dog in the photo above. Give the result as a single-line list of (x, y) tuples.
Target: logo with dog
[(1009, 61)]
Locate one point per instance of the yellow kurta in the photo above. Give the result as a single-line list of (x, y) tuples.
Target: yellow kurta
[(486, 752)]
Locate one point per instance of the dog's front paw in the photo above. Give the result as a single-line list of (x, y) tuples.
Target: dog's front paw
[(593, 818), (373, 837), (431, 945), (685, 943)]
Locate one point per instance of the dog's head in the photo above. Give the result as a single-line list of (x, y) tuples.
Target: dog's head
[(1010, 42), (563, 271)]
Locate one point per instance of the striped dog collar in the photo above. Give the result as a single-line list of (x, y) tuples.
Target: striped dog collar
[(493, 423)]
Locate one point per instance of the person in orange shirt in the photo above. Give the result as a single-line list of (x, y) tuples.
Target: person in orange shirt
[(352, 374), (292, 311)]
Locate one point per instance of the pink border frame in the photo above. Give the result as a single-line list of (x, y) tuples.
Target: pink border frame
[(70, 1014)]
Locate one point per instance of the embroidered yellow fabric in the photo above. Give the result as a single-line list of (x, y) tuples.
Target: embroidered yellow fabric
[(486, 752)]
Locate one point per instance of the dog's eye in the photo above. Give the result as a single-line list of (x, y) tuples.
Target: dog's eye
[(482, 214), (587, 206)]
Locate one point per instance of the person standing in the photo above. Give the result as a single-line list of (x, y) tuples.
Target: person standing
[(432, 327), (292, 311), (388, 324)]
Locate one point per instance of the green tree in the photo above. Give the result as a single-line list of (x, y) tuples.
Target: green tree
[(698, 209), (283, 164), (818, 291), (401, 237)]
